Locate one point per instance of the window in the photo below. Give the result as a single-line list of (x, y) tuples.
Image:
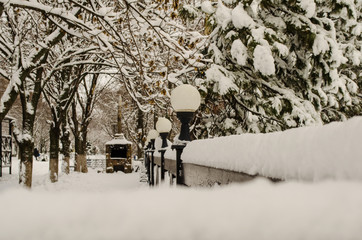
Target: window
[(119, 151)]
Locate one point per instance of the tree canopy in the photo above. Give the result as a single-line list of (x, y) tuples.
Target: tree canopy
[(281, 64)]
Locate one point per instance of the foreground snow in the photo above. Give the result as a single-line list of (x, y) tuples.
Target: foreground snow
[(117, 206)]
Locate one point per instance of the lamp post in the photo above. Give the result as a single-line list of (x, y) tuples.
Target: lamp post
[(146, 156), (152, 134), (163, 126), (185, 100)]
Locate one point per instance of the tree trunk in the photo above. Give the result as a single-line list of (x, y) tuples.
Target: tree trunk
[(81, 163), (140, 129), (65, 148), (26, 148), (54, 152), (81, 155)]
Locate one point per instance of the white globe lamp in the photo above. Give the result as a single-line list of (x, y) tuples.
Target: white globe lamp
[(185, 100), (152, 135), (163, 126)]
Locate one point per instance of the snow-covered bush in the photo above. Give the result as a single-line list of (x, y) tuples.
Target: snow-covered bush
[(280, 64)]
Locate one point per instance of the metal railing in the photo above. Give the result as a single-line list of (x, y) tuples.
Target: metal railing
[(5, 145), (192, 174), (95, 163)]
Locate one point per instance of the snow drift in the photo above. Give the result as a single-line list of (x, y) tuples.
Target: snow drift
[(331, 151)]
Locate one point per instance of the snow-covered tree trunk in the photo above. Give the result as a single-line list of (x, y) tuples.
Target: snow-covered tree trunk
[(140, 129), (81, 160), (81, 154), (65, 139), (54, 152), (26, 148)]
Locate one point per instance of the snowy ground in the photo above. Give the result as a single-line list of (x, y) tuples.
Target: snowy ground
[(118, 206)]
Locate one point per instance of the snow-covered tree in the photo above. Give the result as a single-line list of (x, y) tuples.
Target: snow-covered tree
[(280, 64), (166, 35), (30, 31), (89, 92), (59, 92)]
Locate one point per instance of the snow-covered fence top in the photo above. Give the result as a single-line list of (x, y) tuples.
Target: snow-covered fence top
[(332, 151)]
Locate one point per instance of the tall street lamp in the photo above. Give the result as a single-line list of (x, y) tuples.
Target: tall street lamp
[(152, 134), (163, 126), (185, 100)]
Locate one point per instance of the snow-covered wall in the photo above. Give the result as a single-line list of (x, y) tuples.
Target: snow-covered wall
[(333, 151)]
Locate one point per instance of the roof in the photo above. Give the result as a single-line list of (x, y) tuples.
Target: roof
[(9, 118), (119, 139)]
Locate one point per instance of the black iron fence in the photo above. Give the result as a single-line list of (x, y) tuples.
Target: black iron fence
[(5, 144), (96, 163), (190, 174)]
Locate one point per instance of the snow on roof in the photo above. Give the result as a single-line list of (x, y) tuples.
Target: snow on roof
[(119, 139), (9, 118)]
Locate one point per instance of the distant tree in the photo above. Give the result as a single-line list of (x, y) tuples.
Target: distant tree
[(59, 93), (89, 92)]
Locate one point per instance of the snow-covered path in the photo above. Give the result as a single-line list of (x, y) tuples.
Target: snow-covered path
[(117, 206), (91, 182)]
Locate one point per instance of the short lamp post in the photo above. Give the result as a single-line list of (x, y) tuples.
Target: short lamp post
[(146, 151), (185, 100), (152, 134), (163, 126)]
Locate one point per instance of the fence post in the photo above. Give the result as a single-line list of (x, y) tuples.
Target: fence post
[(162, 164), (179, 170), (171, 178), (152, 168), (1, 150), (157, 175), (148, 167), (10, 144)]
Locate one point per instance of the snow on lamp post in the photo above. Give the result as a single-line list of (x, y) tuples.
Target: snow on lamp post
[(152, 134), (163, 126), (185, 100)]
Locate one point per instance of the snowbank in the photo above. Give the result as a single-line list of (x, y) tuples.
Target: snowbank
[(332, 151), (97, 206), (256, 210)]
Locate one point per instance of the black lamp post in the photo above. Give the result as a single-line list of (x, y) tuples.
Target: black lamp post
[(147, 159), (153, 134), (185, 100), (163, 126), (146, 147)]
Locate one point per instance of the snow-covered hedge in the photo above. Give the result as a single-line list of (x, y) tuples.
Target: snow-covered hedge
[(332, 151)]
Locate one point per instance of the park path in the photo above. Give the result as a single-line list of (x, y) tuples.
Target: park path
[(93, 181)]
